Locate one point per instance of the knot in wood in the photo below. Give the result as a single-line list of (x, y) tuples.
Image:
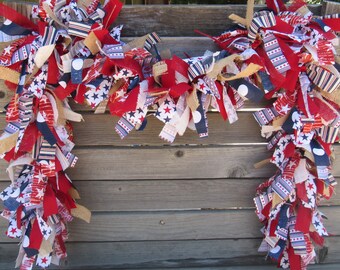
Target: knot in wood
[(179, 153)]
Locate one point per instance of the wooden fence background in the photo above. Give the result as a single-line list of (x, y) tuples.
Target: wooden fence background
[(165, 206)]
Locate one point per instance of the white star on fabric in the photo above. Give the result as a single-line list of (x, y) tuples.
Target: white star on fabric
[(285, 109), (7, 50)]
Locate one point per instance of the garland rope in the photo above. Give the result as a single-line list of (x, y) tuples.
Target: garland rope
[(70, 49)]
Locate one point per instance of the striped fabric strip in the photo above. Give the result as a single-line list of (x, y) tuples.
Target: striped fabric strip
[(293, 18), (123, 127), (92, 6), (325, 52), (79, 29), (12, 127), (297, 238), (20, 87), (274, 53), (328, 134), (21, 54), (151, 40), (265, 116), (6, 38), (298, 242), (239, 101), (332, 16), (6, 55), (196, 69), (261, 201), (274, 140), (282, 187), (25, 115), (71, 158), (114, 51), (47, 151), (323, 78), (50, 35), (262, 19)]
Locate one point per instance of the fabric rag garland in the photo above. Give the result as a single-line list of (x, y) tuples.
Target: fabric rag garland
[(297, 57), (72, 51)]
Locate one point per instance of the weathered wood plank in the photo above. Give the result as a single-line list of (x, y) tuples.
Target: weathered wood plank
[(174, 20), (130, 163), (166, 163), (181, 20), (168, 254), (151, 254), (100, 130), (175, 225), (157, 195), (330, 7)]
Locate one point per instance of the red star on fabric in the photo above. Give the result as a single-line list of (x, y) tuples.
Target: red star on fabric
[(44, 260), (141, 118), (13, 230), (167, 110), (201, 86), (310, 186)]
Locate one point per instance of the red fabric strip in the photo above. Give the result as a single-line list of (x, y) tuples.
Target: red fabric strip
[(220, 102), (119, 108), (62, 92), (35, 236), (50, 202), (294, 260), (179, 89), (16, 17), (333, 23), (303, 219), (112, 9)]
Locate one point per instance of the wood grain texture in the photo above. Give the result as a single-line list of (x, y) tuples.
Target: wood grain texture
[(329, 7), (169, 254), (175, 225), (181, 20), (155, 195), (116, 163), (173, 20), (131, 163), (99, 130)]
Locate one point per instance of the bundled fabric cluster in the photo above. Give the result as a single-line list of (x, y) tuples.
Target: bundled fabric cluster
[(72, 50), (297, 57)]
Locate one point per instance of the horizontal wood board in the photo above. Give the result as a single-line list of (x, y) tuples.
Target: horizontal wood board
[(169, 254), (174, 20), (155, 195), (131, 163), (99, 130), (175, 225)]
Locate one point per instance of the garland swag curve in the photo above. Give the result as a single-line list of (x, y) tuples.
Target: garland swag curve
[(72, 50)]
